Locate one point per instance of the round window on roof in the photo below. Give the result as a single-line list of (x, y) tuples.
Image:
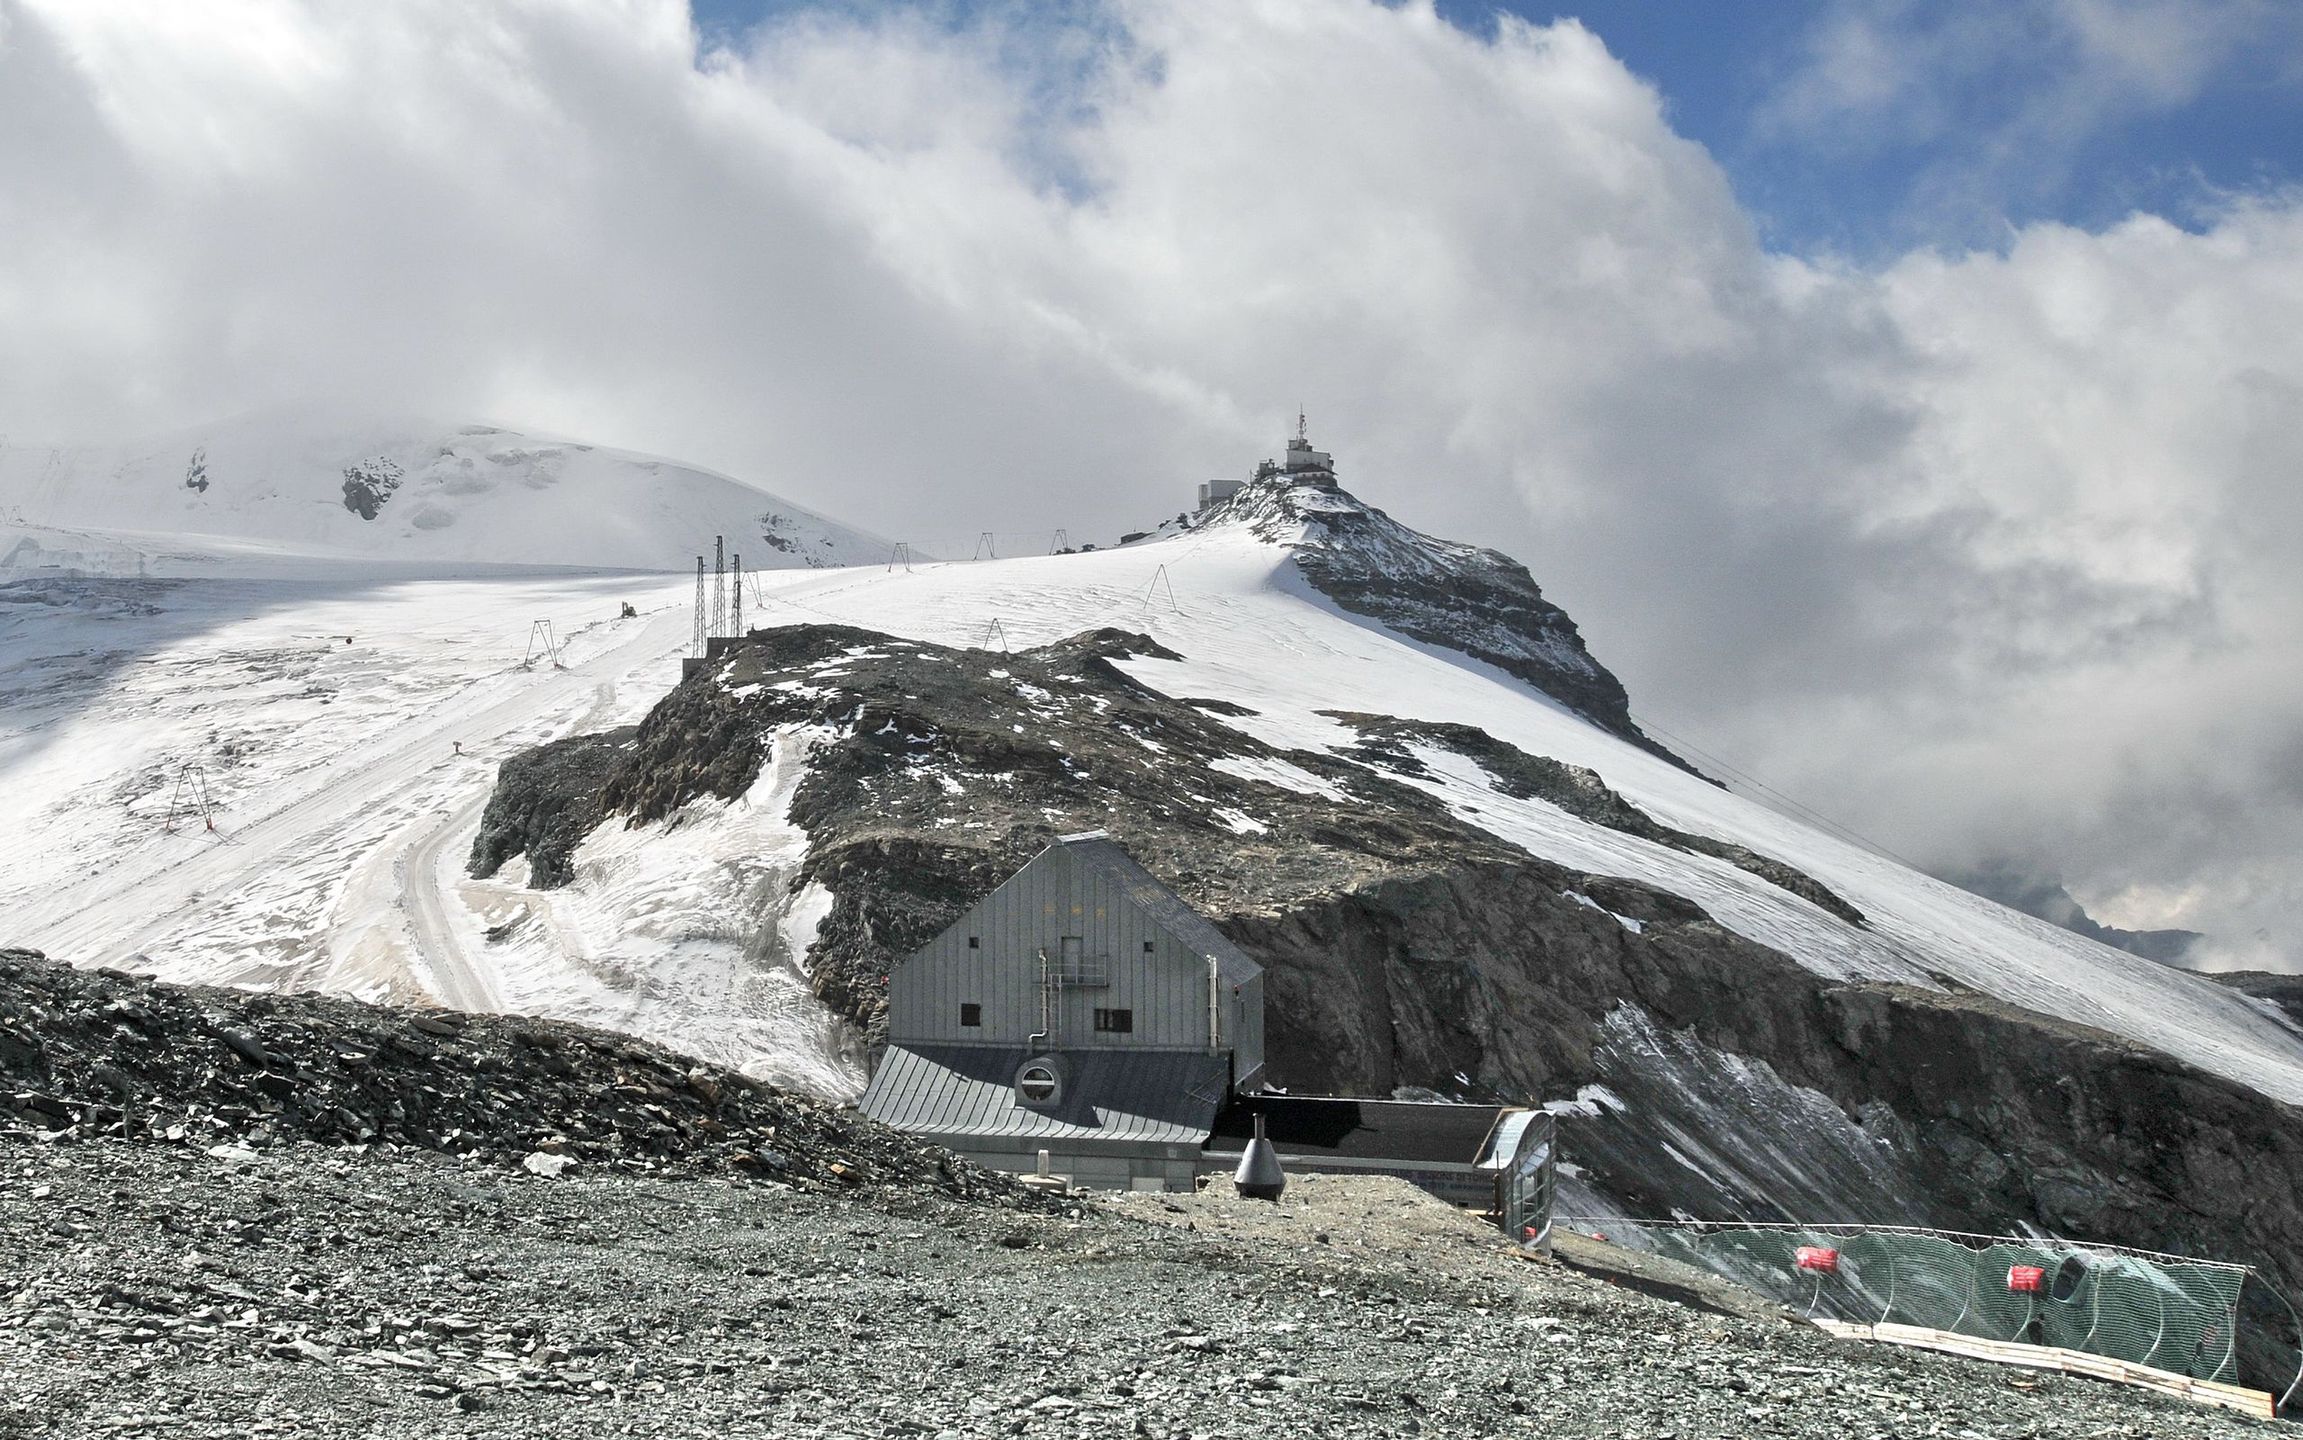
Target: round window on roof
[(1038, 1084)]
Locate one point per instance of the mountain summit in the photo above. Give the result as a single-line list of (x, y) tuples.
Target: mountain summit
[(1465, 598)]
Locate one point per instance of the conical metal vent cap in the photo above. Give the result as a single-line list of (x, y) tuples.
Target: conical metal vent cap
[(1259, 1176)]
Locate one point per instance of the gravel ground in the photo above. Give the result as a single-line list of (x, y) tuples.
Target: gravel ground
[(155, 1289)]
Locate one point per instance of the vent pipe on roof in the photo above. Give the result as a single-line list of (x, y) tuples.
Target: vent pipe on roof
[(1046, 1032), (1214, 1004), (1259, 1176)]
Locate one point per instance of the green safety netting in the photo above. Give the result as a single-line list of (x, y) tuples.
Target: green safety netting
[(2160, 1310)]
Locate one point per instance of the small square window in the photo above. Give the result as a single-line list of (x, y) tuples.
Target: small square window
[(1148, 947), (1116, 1022), (971, 1016), (974, 943)]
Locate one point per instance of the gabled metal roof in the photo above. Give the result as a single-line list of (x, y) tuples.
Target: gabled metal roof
[(950, 1092), (1166, 908)]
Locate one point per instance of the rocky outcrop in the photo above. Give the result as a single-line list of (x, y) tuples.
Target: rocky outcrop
[(545, 802), (1478, 602), (937, 773), (1573, 788), (369, 483), (100, 1054)]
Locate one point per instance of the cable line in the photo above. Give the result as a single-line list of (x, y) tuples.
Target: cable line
[(1805, 812)]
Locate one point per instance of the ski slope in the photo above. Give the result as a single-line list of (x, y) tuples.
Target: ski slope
[(313, 722), (347, 732)]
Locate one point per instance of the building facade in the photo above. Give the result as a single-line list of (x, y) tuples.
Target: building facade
[(1082, 1008), (1303, 465)]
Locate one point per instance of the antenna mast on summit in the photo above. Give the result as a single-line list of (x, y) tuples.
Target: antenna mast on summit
[(1302, 429)]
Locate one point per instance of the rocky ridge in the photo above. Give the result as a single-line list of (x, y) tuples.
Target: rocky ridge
[(1573, 788), (1466, 598), (2282, 992), (106, 1055), (935, 773)]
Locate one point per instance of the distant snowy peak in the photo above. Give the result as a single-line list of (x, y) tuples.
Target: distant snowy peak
[(331, 484), (1480, 602)]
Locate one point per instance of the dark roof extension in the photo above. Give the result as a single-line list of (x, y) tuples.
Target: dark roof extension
[(1327, 1126)]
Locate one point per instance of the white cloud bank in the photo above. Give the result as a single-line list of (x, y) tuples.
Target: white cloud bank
[(1994, 553)]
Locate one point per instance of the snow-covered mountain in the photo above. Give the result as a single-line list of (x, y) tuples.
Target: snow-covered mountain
[(1383, 763), (311, 482), (1455, 880)]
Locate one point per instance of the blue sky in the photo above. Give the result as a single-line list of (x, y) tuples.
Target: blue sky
[(1865, 128), (1873, 177)]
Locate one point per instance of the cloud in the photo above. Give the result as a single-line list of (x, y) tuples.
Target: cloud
[(1987, 554)]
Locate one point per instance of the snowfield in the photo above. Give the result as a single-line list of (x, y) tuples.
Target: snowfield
[(343, 811), (310, 483)]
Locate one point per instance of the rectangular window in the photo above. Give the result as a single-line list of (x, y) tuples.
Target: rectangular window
[(971, 1016), (1147, 947), (972, 943), (1116, 1022)]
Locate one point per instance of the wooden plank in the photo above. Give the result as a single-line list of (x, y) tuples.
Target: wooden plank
[(2071, 1362)]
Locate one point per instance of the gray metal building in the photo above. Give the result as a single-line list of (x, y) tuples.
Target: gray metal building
[(1082, 1008)]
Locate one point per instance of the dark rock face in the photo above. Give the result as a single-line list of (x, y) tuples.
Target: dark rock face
[(1742, 1086), (545, 802), (1480, 602), (100, 1054), (368, 484), (1971, 1113)]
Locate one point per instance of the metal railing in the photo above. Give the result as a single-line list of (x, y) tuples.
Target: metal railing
[(1081, 972)]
